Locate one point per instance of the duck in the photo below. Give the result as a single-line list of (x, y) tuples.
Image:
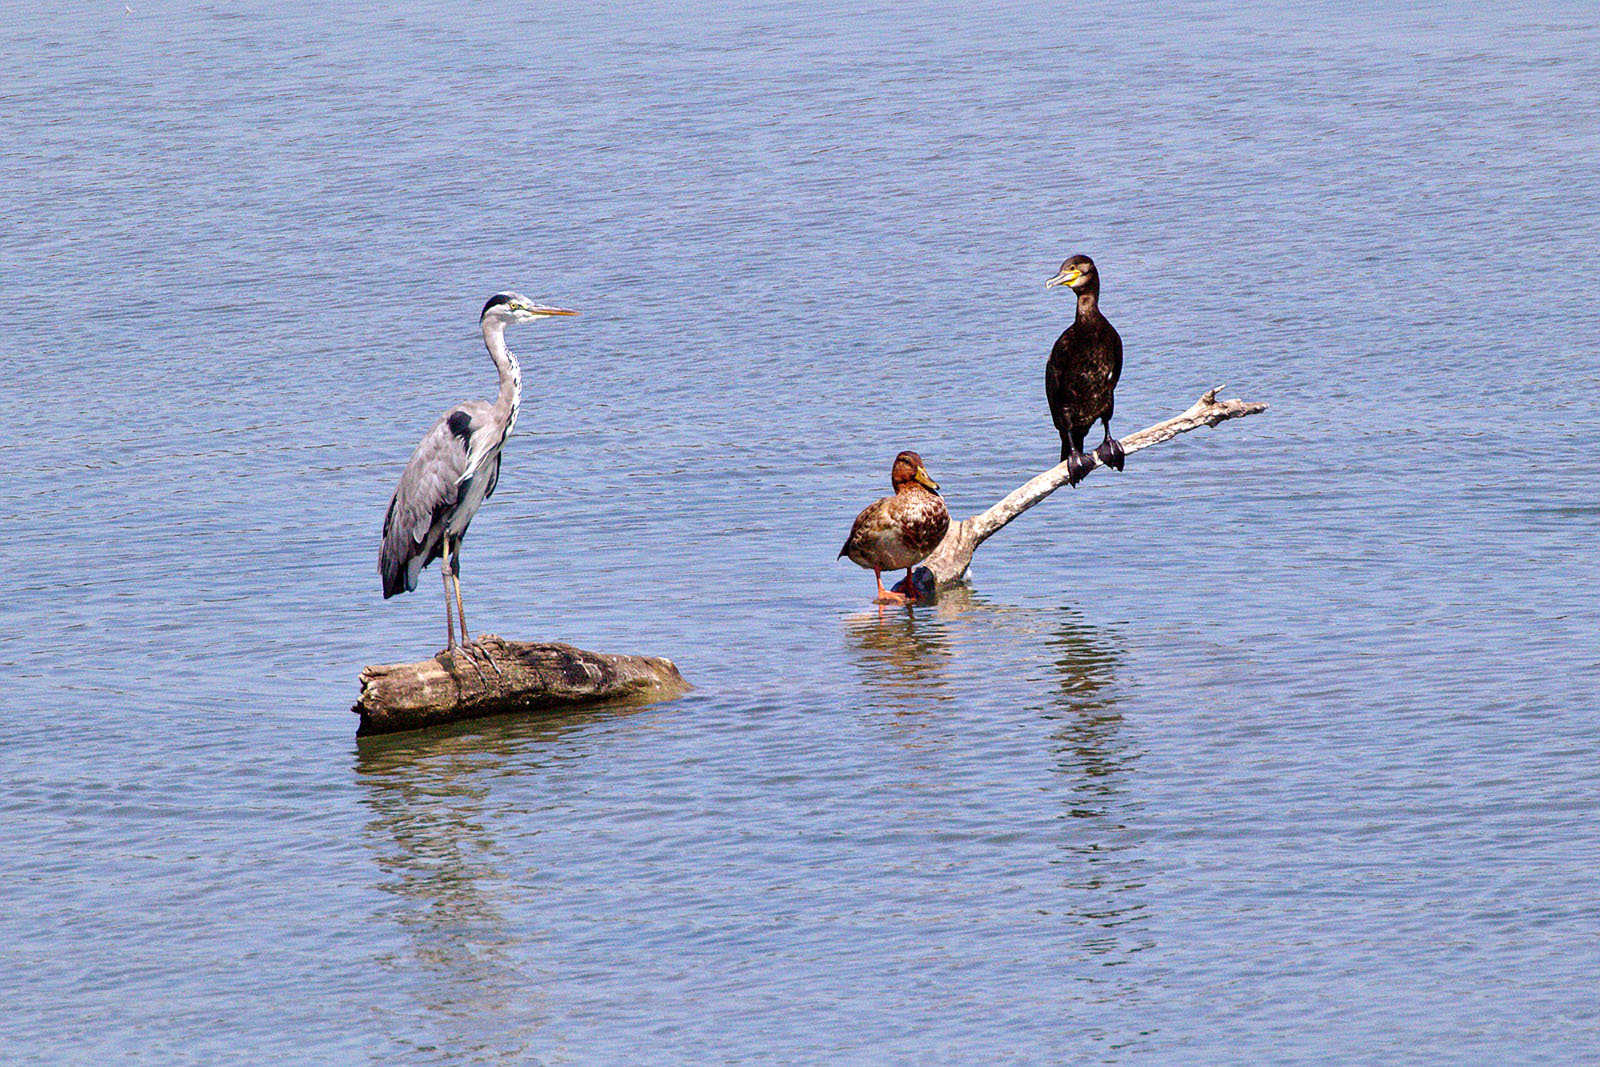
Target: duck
[(900, 530), (1080, 380)]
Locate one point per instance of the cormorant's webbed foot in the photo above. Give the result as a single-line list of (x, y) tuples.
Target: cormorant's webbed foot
[(1110, 452), (1078, 465)]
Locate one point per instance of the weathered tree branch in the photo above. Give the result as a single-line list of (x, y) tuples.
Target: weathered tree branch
[(949, 562), (494, 675)]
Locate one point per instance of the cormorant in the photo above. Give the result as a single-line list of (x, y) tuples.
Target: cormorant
[(1082, 373)]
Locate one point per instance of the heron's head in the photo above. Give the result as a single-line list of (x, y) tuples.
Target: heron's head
[(507, 308), (1077, 274), (908, 469)]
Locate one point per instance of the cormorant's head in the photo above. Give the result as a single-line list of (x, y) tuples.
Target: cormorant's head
[(1078, 274), (908, 468), (508, 308)]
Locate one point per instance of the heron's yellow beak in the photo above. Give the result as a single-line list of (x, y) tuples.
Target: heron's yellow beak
[(1066, 277), (922, 478), (540, 309)]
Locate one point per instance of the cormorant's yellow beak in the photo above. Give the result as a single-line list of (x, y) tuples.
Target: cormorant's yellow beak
[(1066, 277), (922, 477)]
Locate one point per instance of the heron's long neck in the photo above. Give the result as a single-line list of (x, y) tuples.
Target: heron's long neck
[(509, 401)]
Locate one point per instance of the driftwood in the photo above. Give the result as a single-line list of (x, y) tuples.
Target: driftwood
[(493, 676), (950, 561)]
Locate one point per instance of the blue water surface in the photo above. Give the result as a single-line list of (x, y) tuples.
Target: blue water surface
[(1276, 747)]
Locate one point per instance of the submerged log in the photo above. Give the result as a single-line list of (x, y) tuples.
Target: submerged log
[(948, 564), (492, 676)]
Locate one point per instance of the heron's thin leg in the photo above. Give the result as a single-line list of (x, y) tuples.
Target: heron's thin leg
[(449, 617), (465, 640), (450, 577), (474, 647)]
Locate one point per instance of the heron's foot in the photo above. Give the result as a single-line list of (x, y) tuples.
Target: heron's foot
[(466, 652), (479, 646), (1078, 465), (1110, 453), (482, 678)]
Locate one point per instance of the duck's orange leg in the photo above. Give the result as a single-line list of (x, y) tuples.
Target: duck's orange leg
[(884, 596)]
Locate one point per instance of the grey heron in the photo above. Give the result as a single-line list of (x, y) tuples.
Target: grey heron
[(455, 469)]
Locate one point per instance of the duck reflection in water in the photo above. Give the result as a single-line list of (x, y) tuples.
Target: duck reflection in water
[(903, 657)]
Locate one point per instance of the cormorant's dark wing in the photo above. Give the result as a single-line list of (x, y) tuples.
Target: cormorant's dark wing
[(1116, 355), (428, 489), (1054, 372)]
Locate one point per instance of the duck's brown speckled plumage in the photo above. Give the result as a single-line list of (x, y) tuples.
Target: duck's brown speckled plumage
[(900, 530)]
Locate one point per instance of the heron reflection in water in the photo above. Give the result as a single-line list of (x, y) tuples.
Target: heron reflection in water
[(447, 838), (432, 837)]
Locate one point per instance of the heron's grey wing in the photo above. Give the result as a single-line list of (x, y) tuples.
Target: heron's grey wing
[(428, 489), (481, 436), (494, 477)]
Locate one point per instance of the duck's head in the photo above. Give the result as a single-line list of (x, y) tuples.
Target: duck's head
[(505, 309), (1077, 274), (908, 471)]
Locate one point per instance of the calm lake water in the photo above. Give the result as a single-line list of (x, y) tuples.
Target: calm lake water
[(1278, 747)]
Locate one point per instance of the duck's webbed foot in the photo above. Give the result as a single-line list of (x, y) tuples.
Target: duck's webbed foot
[(1078, 465), (886, 596), (1110, 452)]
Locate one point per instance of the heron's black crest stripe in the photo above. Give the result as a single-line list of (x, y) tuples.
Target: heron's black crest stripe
[(460, 424), (495, 301)]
